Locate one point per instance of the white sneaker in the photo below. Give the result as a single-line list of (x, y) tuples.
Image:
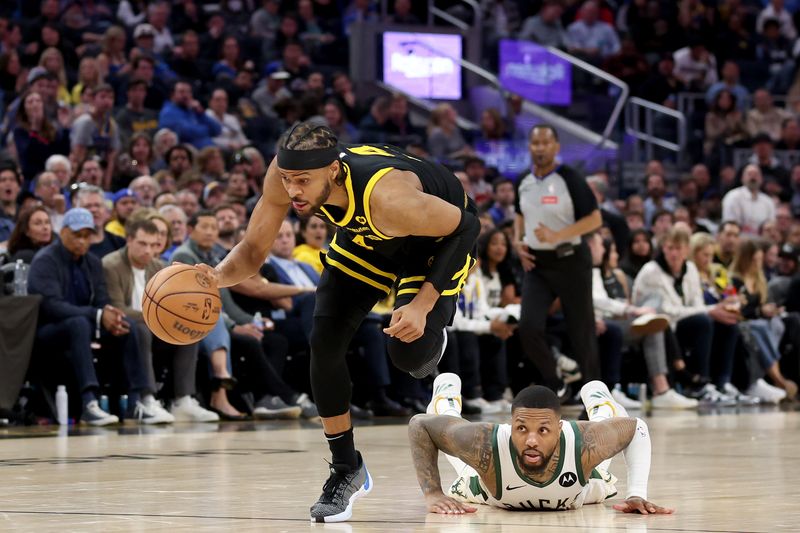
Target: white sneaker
[(567, 369), (672, 400), (446, 395), (94, 416), (711, 397), (623, 399), (600, 404), (503, 405), (739, 396), (766, 392), (187, 409), (150, 411), (487, 408)]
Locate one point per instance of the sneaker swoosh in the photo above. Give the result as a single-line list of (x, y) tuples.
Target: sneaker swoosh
[(509, 487)]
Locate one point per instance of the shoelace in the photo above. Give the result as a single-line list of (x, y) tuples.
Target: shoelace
[(335, 485)]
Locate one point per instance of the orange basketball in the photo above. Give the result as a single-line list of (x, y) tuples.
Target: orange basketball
[(179, 305)]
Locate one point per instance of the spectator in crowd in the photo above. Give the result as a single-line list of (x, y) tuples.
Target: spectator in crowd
[(125, 203), (504, 195), (231, 138), (639, 252), (60, 166), (788, 264), (188, 202), (730, 82), (591, 38), (158, 16), (112, 55), (177, 220), (272, 90), (545, 28), (695, 65), (663, 221), (672, 285), (36, 138), (765, 117), (97, 133), (657, 198), (611, 299), (135, 117), (336, 120), (790, 135), (608, 211), (724, 124), (727, 242), (89, 77), (359, 11), (371, 126), (32, 232), (480, 190), (10, 186), (761, 321), (74, 301), (747, 205), (92, 198), (776, 11), (775, 52), (179, 160), (127, 272), (663, 86), (146, 189), (53, 62), (314, 236), (184, 115), (48, 189), (444, 137), (776, 177)]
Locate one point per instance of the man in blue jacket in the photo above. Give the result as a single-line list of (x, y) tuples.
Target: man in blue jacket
[(185, 116), (75, 311)]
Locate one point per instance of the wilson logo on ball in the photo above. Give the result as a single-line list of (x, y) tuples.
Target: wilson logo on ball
[(202, 280), (186, 330)]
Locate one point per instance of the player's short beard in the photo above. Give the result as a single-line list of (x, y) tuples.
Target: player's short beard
[(319, 202), (533, 469)]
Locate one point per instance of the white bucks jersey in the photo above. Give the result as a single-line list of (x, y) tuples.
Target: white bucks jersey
[(515, 490)]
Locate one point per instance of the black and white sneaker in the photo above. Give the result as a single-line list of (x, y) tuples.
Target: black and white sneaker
[(94, 416), (430, 367), (344, 486), (272, 407)]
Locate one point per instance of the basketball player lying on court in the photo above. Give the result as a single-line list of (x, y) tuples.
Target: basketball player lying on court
[(538, 462)]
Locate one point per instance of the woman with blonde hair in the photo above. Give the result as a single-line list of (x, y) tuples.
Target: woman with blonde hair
[(53, 62), (88, 76), (762, 328), (444, 138), (713, 276), (112, 59)]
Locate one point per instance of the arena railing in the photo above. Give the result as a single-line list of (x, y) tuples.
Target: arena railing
[(641, 123)]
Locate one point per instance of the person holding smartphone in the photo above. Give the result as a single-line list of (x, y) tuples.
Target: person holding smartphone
[(555, 209)]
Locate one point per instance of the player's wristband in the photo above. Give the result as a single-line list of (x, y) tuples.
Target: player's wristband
[(637, 457)]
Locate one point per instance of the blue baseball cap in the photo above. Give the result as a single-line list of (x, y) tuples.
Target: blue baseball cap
[(123, 193), (78, 218)]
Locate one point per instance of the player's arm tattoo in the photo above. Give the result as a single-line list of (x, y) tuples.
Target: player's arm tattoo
[(472, 443), (603, 440)]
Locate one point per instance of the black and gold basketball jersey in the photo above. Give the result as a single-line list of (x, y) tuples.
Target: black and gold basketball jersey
[(359, 249), (364, 166)]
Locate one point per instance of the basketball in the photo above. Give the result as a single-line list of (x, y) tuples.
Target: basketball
[(179, 305)]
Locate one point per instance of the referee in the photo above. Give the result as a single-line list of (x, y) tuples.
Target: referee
[(555, 207)]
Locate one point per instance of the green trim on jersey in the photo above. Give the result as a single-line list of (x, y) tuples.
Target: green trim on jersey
[(529, 481), (498, 475), (578, 451)]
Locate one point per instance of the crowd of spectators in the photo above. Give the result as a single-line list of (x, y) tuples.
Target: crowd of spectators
[(159, 120)]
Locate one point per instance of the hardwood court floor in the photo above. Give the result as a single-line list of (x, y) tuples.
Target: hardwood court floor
[(722, 471)]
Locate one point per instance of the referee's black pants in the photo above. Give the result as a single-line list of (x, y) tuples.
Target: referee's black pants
[(570, 279)]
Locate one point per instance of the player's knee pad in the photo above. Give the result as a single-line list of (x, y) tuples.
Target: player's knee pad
[(410, 356)]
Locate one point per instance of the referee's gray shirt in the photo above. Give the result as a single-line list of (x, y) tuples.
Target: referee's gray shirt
[(556, 200)]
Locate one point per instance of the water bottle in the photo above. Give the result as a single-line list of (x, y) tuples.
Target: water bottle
[(104, 403), (123, 406), (258, 321), (643, 393), (62, 405), (20, 278)]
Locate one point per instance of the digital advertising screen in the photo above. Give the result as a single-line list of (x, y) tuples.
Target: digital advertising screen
[(534, 73), (425, 65)]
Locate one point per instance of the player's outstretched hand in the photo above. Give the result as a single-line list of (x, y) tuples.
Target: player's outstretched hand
[(407, 323), (211, 272), (441, 504), (641, 506)]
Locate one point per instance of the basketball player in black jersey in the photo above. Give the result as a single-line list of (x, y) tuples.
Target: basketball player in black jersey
[(403, 222)]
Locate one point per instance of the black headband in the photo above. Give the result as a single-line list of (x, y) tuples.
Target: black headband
[(307, 159)]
